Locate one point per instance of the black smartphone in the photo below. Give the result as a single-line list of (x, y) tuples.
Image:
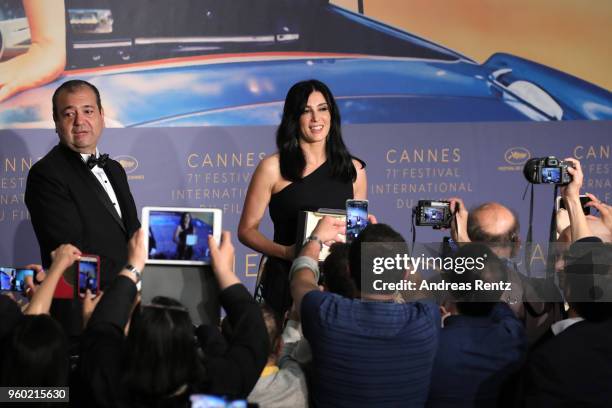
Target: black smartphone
[(89, 274), (583, 200), (356, 218)]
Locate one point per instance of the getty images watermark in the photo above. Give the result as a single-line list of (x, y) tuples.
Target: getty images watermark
[(477, 272), (402, 263)]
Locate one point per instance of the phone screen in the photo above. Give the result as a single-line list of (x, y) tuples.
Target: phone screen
[(356, 218), (20, 276), (88, 275), (7, 278)]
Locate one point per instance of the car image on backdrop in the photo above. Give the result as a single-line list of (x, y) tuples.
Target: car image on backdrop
[(218, 67)]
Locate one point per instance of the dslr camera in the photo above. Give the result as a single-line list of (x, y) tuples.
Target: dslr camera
[(435, 214), (547, 170)]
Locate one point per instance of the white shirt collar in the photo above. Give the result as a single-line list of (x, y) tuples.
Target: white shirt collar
[(85, 156), (561, 325)]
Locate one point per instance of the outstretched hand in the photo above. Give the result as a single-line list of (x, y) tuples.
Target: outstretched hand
[(64, 256), (605, 210), (222, 260)]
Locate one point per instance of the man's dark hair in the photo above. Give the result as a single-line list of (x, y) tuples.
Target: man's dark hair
[(70, 87), (37, 354), (273, 326), (160, 352), (477, 302), (379, 241), (336, 271), (588, 282), (477, 234)]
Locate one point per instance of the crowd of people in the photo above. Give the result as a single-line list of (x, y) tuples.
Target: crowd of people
[(325, 335)]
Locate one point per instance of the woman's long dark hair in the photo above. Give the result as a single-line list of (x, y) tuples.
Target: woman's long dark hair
[(161, 352), (292, 160)]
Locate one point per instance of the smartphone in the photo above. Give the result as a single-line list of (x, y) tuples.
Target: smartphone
[(89, 274), (13, 280), (7, 278), (212, 401), (20, 276), (583, 200), (356, 218)]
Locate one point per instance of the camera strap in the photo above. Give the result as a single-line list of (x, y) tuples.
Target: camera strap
[(413, 228), (552, 238), (529, 238)]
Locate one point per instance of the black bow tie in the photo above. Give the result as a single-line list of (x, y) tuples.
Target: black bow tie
[(100, 161)]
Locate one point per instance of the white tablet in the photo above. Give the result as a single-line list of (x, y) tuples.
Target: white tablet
[(179, 236)]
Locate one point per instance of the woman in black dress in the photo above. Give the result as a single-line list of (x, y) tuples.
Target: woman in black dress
[(184, 249), (312, 169)]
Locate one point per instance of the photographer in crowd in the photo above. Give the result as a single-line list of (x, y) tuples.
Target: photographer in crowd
[(368, 351), (496, 225), (482, 342), (573, 366)]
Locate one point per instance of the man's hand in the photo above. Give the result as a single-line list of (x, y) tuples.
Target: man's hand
[(64, 256), (605, 210), (137, 253), (30, 281), (328, 229), (571, 194), (89, 304), (572, 190), (222, 260), (459, 226)]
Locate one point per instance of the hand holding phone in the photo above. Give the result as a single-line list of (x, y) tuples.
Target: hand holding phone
[(89, 275), (356, 218), (584, 199)]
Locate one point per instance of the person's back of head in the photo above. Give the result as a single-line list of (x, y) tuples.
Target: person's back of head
[(273, 327), (161, 355), (336, 269), (376, 243), (487, 267), (588, 282), (496, 224), (37, 354)]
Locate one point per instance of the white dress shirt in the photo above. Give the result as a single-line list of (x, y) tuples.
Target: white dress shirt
[(104, 181)]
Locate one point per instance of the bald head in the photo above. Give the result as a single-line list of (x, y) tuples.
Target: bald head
[(492, 222)]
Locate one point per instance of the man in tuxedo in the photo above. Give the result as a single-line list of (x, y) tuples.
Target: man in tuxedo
[(76, 195)]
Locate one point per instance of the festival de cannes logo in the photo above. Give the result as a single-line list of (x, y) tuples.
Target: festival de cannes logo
[(129, 163), (515, 158), (517, 155)]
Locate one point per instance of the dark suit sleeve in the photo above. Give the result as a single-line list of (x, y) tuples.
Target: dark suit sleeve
[(235, 373), (54, 215)]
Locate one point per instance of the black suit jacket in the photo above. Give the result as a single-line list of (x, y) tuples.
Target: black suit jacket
[(572, 369), (67, 204)]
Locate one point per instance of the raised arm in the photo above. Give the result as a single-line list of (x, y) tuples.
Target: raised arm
[(237, 370), (571, 194), (63, 257), (304, 279), (255, 204)]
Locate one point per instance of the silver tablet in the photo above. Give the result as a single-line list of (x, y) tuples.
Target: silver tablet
[(179, 236)]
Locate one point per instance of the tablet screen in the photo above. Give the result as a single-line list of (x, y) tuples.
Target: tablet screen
[(180, 235)]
